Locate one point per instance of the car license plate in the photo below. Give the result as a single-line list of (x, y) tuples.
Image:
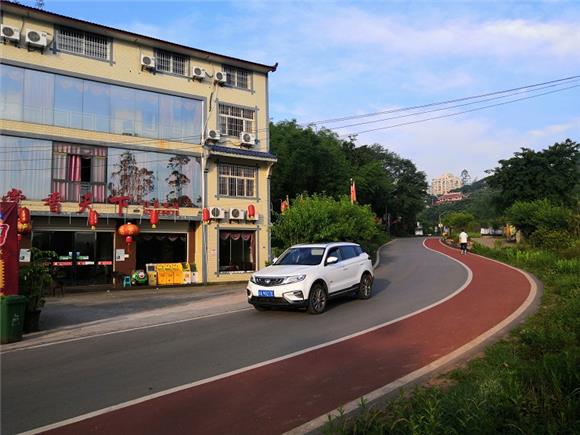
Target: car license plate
[(266, 293)]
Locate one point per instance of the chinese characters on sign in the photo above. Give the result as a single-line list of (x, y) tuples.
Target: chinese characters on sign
[(8, 248)]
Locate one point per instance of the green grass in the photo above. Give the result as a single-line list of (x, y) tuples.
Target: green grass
[(528, 383)]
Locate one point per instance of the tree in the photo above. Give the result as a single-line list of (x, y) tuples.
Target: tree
[(178, 180), (130, 180), (551, 174), (530, 216), (320, 218), (458, 220)]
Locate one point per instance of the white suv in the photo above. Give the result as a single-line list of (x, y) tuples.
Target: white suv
[(308, 275)]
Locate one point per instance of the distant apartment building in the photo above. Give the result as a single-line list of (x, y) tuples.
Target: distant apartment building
[(444, 183), (101, 124)]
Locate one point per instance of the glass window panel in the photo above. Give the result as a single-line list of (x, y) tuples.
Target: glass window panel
[(38, 97), (68, 102), (96, 106), (11, 92), (122, 110), (147, 114), (25, 165)]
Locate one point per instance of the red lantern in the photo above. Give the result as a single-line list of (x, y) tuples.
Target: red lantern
[(24, 215), (205, 215), (154, 218), (251, 211), (23, 228), (93, 219), (128, 230)]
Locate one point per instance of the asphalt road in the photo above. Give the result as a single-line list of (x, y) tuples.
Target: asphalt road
[(50, 384)]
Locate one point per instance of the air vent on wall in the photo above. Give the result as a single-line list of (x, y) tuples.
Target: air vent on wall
[(220, 77), (148, 61), (199, 73), (213, 135), (247, 139), (237, 214)]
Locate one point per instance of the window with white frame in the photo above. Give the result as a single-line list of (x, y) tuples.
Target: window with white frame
[(236, 180), (83, 43), (233, 120), (237, 77), (170, 62)]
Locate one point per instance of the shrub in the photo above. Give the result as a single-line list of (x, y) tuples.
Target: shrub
[(553, 240), (533, 215), (318, 218)]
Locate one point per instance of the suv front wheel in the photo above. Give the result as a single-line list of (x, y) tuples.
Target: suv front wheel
[(317, 299)]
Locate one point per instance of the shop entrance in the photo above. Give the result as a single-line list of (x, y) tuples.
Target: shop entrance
[(83, 257), (161, 248)]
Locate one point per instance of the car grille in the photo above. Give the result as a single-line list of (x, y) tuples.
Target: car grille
[(268, 282)]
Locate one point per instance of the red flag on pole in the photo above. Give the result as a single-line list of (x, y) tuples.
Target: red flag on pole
[(352, 192)]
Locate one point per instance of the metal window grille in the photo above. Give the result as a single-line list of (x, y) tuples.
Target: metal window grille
[(233, 120), (237, 77), (171, 62), (84, 43), (236, 180)]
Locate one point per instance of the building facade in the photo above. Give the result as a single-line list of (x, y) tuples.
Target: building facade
[(444, 183), (96, 118)]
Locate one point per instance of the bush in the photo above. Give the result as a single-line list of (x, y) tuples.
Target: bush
[(553, 240), (318, 218), (541, 214)]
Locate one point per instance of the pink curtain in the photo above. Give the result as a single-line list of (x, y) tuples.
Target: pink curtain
[(74, 168)]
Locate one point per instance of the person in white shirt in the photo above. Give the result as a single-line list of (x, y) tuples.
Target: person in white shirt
[(463, 241)]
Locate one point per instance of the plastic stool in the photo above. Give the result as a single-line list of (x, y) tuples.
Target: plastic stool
[(126, 281)]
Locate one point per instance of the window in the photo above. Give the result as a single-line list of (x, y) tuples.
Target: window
[(348, 252), (237, 77), (236, 180), (25, 165), (84, 43), (335, 252), (233, 120), (237, 249), (52, 99), (170, 62), (78, 170)]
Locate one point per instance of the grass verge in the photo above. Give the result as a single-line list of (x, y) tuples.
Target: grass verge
[(527, 383)]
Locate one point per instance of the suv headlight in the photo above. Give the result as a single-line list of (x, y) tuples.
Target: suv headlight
[(292, 279), (253, 279)]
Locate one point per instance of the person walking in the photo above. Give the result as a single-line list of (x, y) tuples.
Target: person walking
[(463, 241)]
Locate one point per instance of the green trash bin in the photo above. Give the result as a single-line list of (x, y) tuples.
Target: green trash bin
[(11, 318)]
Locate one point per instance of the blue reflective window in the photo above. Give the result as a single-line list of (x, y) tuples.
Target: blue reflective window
[(147, 114), (11, 92), (38, 97), (122, 110), (68, 102), (25, 165), (96, 106)]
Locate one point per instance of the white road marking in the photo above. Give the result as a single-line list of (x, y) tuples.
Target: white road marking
[(254, 366), (413, 376)]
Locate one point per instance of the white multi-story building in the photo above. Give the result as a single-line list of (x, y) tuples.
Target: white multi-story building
[(444, 183)]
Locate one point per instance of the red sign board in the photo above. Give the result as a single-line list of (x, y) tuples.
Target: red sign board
[(8, 248)]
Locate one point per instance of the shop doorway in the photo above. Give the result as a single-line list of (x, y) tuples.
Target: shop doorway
[(161, 248)]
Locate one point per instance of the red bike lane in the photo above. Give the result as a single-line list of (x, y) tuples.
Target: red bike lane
[(285, 394)]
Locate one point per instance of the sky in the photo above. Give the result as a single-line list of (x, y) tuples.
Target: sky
[(345, 58)]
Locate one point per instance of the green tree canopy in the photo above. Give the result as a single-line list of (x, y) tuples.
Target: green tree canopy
[(530, 175)]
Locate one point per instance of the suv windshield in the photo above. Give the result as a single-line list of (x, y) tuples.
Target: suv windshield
[(301, 256)]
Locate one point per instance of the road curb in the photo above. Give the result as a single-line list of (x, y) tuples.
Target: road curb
[(378, 260), (463, 353)]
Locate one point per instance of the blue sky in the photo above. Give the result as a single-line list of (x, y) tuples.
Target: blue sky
[(340, 58)]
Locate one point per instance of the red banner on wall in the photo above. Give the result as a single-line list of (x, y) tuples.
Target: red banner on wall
[(8, 248)]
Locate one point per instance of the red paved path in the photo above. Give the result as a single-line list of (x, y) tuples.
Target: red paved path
[(280, 396)]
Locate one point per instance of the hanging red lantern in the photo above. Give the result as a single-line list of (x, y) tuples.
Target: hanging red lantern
[(93, 219), (205, 215), (251, 211), (22, 228), (154, 218), (24, 215), (128, 230)]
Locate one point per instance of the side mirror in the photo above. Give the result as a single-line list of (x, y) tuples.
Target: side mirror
[(274, 260), (331, 260)]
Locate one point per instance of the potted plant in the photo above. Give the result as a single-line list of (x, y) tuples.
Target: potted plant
[(35, 278)]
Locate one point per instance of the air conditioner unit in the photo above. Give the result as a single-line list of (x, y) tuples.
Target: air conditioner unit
[(247, 139), (213, 135), (220, 77), (36, 38), (237, 214), (217, 213), (147, 61), (198, 73), (10, 33)]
